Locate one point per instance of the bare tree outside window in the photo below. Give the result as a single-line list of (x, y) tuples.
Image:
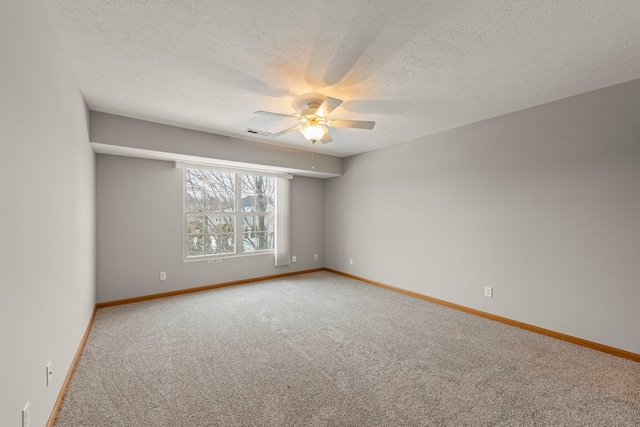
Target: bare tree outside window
[(223, 208), (258, 198)]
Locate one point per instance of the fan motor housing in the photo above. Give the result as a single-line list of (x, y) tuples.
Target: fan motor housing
[(307, 101), (310, 112)]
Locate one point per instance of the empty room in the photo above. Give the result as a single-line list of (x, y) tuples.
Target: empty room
[(363, 213)]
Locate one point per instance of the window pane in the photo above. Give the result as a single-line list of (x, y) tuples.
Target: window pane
[(258, 193), (219, 244), (225, 243), (248, 244), (194, 201), (219, 189), (209, 245), (262, 202), (215, 244), (215, 224), (258, 232), (248, 223), (193, 190), (211, 223), (271, 205), (248, 203), (219, 181), (227, 202), (194, 245), (258, 223), (217, 202), (211, 202), (227, 224), (194, 224), (194, 178), (257, 241), (222, 182), (270, 223), (229, 247)]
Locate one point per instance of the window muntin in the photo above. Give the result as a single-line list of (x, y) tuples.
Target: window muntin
[(222, 208)]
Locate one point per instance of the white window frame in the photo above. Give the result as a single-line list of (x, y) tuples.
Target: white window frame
[(281, 236)]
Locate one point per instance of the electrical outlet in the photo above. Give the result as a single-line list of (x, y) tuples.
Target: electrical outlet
[(49, 374), (350, 261), (315, 256), (163, 275), (26, 418), (488, 291), (294, 258)]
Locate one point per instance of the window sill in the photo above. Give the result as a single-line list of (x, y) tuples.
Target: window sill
[(220, 258)]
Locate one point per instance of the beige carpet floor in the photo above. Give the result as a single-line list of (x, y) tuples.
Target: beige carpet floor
[(324, 350)]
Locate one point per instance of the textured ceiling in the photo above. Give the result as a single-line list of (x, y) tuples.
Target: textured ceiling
[(414, 67)]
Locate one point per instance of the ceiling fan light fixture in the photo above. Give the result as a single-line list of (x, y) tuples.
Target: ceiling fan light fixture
[(315, 123), (313, 132)]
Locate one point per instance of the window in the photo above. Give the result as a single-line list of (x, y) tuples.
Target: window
[(228, 213)]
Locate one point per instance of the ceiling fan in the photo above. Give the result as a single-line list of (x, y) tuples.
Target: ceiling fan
[(314, 121)]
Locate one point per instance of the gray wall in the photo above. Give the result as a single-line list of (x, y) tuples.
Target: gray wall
[(121, 131), (542, 204), (47, 214), (140, 232)]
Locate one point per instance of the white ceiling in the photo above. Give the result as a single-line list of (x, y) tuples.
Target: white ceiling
[(414, 67)]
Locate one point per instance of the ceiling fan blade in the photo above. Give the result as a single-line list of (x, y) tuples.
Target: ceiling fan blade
[(326, 138), (269, 113), (282, 132), (327, 106), (358, 124)]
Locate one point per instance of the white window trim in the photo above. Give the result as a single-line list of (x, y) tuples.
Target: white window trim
[(281, 248)]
